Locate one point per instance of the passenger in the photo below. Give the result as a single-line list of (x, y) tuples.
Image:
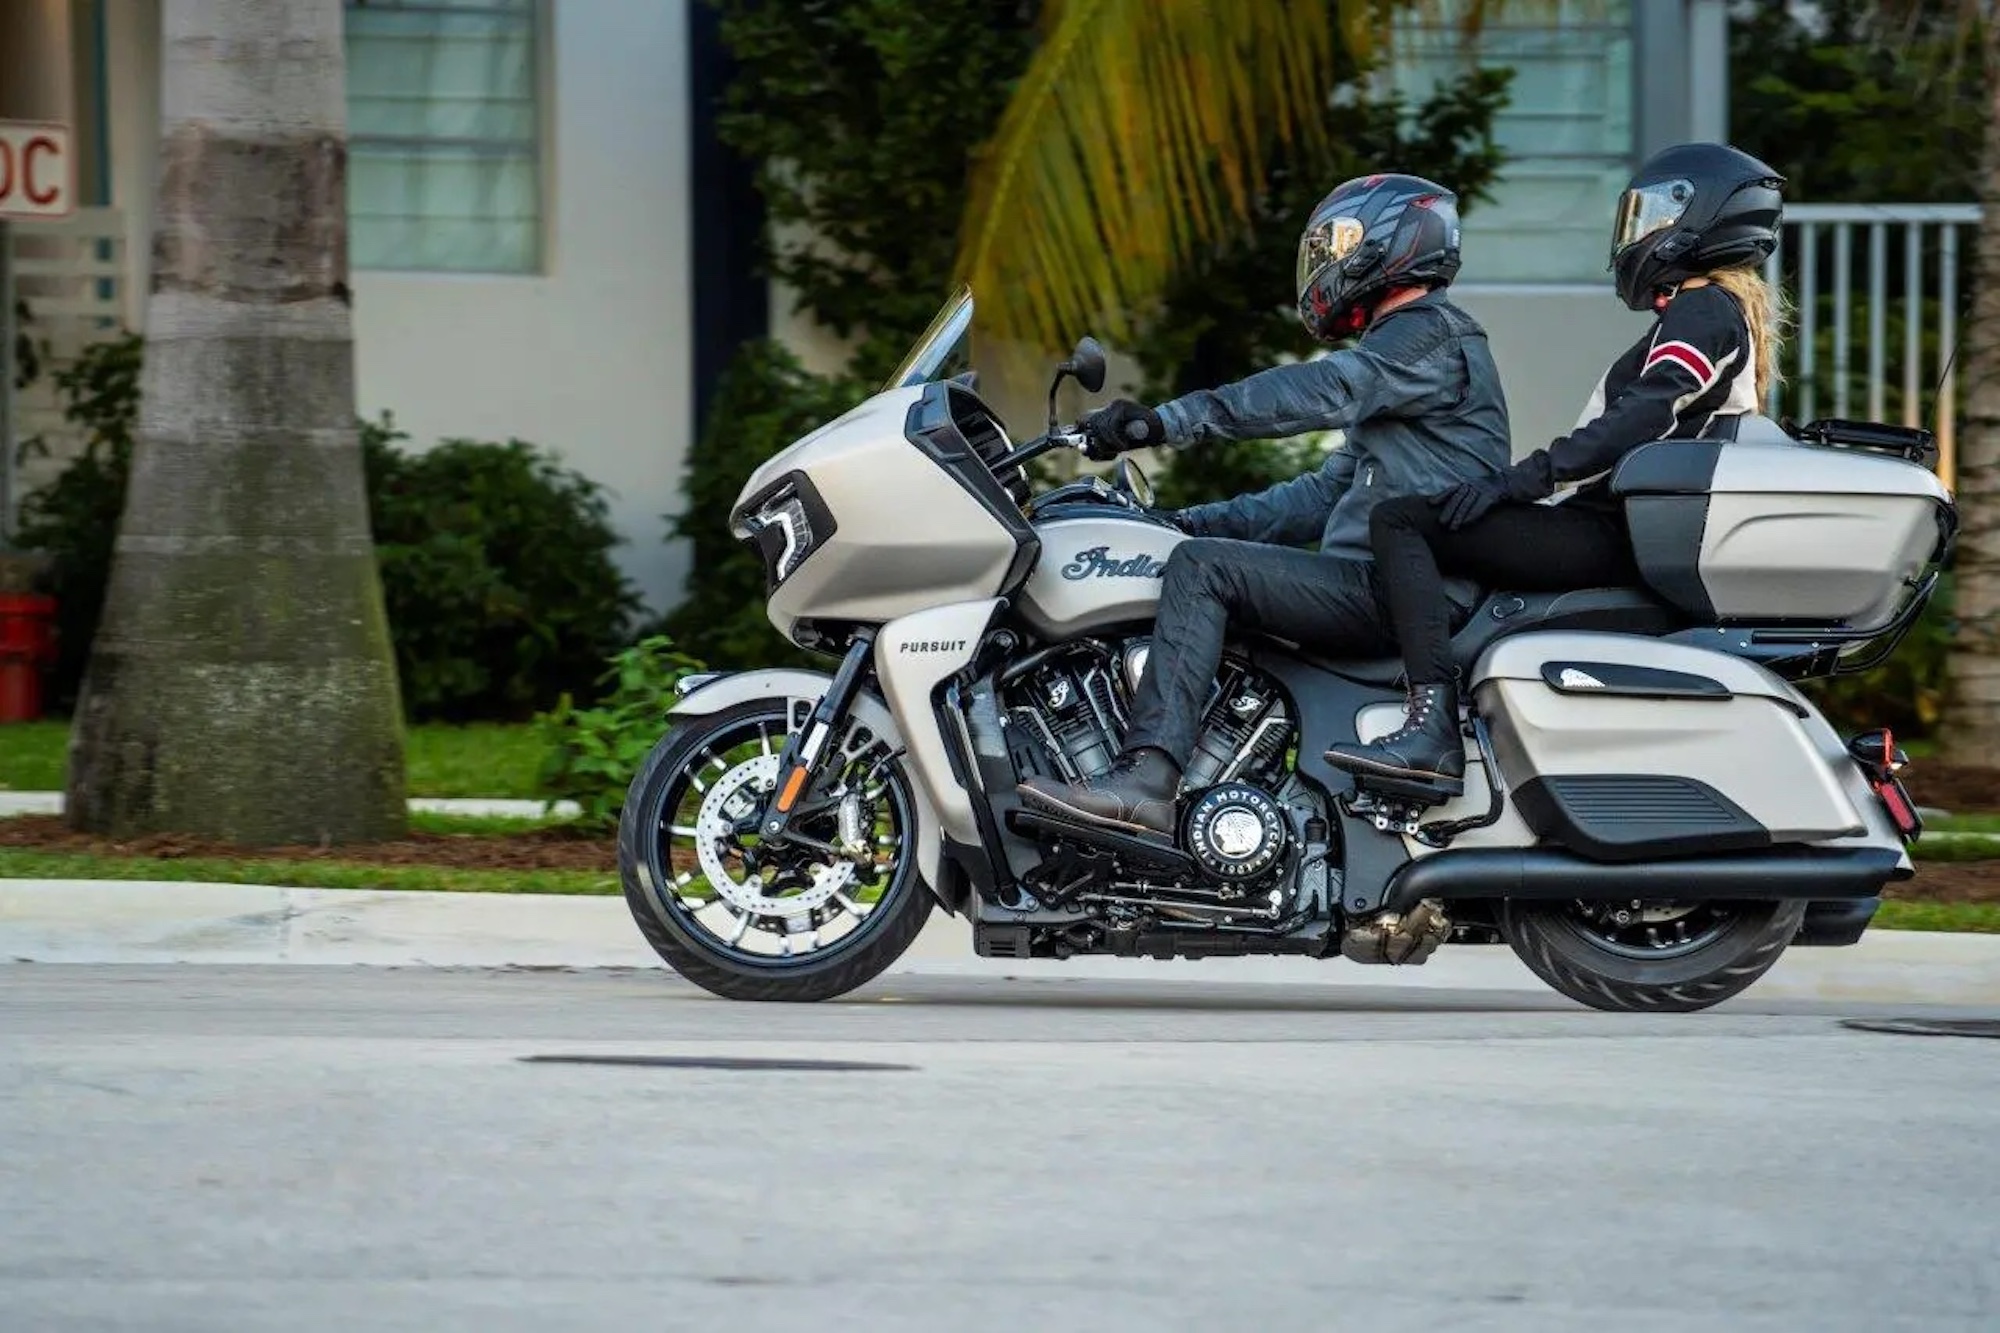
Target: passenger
[(1691, 233), (1421, 405)]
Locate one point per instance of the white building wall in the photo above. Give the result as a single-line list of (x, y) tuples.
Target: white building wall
[(1551, 344), (590, 357)]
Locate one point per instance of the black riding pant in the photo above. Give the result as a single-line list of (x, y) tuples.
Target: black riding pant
[(1516, 547), (1322, 603)]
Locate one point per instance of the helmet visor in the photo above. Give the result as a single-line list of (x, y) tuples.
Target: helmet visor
[(1649, 209), (1324, 244)]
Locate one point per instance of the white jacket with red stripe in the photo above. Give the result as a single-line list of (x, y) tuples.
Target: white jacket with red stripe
[(1696, 364)]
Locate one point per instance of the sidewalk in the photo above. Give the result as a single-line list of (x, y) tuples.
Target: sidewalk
[(484, 807), (87, 921)]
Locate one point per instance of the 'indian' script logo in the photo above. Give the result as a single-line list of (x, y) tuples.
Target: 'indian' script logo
[(1099, 563)]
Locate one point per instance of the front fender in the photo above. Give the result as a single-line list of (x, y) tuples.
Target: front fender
[(712, 696)]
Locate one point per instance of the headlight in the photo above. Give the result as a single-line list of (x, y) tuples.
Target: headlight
[(784, 534), (787, 524)]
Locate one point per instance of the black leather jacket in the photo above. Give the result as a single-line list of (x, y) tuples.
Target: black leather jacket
[(1418, 399)]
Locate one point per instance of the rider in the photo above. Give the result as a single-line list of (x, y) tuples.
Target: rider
[(1691, 231), (1420, 404)]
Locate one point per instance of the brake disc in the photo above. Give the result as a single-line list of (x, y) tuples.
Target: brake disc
[(736, 795)]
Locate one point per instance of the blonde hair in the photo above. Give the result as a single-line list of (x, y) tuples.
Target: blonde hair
[(1768, 314)]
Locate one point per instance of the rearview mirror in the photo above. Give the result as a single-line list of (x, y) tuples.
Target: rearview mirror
[(1085, 364)]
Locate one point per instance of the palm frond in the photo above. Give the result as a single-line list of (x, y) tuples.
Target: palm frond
[(1139, 132)]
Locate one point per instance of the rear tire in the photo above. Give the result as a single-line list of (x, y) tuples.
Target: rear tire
[(1560, 947), (705, 959)]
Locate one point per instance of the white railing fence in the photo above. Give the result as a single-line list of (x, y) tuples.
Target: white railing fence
[(1877, 291)]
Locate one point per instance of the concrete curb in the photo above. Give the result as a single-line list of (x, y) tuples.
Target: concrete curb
[(90, 921), (483, 807)]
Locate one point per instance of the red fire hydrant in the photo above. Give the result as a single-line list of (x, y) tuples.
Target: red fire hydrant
[(27, 645)]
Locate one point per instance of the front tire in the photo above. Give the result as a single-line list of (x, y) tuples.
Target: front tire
[(1586, 952), (739, 940)]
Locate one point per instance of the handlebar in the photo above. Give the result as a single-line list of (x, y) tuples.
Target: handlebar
[(1067, 437)]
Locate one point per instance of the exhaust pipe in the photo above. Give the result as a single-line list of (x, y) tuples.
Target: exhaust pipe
[(1815, 873)]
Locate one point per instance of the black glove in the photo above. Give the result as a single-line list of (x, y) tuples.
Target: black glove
[(1119, 426), (1469, 501)]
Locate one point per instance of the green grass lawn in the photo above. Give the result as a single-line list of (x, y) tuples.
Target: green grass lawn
[(482, 759), (32, 756), (1959, 847), (1968, 918), (479, 759), (329, 874), (1963, 824)]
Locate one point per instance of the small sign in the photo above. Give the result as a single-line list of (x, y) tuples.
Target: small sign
[(36, 170)]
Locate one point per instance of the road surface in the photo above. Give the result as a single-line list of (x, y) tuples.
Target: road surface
[(208, 1148)]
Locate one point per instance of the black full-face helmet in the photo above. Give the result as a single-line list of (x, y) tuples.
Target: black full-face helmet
[(1692, 209), (1371, 235)]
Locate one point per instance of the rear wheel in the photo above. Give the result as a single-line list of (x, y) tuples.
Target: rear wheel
[(1663, 957), (799, 919)]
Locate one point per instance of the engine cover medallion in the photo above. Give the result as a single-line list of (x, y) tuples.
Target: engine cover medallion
[(1234, 831)]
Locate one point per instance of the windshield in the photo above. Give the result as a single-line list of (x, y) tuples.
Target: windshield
[(945, 340)]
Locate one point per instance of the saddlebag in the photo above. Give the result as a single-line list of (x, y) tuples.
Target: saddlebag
[(1621, 748)]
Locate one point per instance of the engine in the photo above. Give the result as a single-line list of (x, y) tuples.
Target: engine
[(1068, 710), (1066, 713)]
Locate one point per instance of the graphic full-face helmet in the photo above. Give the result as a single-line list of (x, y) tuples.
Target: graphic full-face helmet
[(1370, 236)]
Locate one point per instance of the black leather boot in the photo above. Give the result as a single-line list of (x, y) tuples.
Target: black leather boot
[(1136, 793), (1426, 748)]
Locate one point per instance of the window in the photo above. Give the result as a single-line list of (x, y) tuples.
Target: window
[(444, 135), (1568, 132)]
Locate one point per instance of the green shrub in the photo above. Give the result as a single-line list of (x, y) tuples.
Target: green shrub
[(1906, 693), (496, 562), (864, 116), (497, 573), (593, 752), (74, 519), (765, 400)]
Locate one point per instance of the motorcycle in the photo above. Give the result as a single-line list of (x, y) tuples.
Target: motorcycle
[(1651, 814)]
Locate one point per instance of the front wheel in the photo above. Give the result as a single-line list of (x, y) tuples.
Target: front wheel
[(804, 919), (1659, 957)]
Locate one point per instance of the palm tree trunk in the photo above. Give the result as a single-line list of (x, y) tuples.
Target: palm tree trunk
[(242, 684), (1971, 731)]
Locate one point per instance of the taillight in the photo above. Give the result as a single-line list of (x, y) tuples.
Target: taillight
[(1876, 753)]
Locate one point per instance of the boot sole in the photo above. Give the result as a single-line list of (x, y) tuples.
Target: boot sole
[(1348, 763), (1041, 800)]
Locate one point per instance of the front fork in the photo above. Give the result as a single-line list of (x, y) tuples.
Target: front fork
[(803, 752)]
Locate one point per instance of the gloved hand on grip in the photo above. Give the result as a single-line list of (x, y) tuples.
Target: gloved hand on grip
[(1119, 426)]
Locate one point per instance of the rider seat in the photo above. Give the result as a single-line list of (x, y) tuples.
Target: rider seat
[(1610, 610)]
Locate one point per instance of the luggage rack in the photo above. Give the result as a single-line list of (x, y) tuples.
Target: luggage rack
[(1804, 652), (1909, 443)]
